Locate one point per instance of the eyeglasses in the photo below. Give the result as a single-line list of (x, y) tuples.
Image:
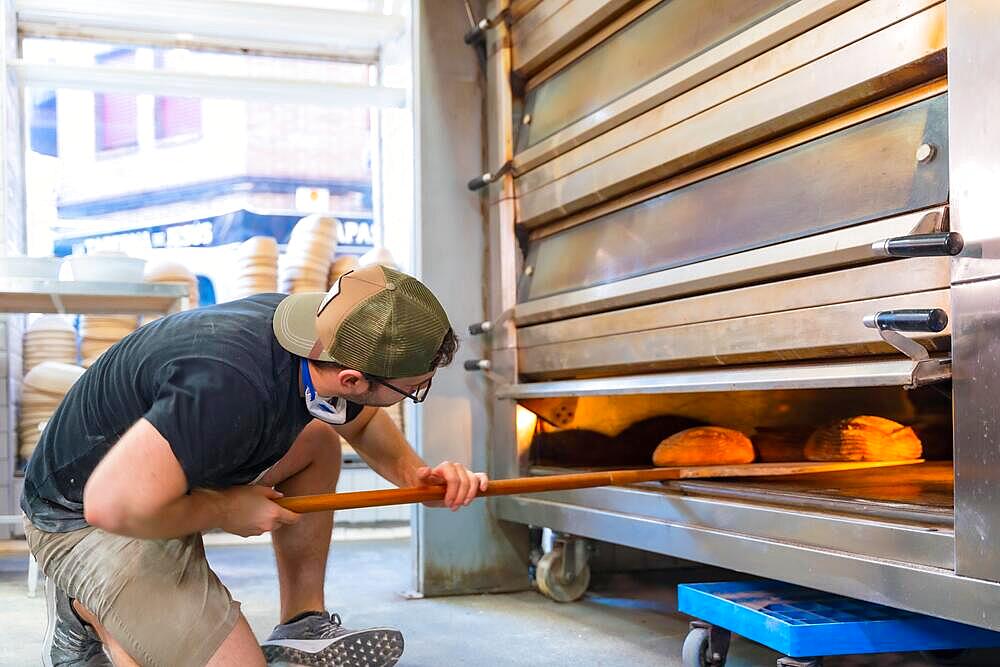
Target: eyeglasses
[(418, 394)]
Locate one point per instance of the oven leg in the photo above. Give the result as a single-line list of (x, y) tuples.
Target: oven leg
[(563, 573)]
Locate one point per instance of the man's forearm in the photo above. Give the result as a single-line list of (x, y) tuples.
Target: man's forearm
[(384, 447), (199, 511)]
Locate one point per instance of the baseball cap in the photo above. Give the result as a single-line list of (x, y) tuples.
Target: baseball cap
[(375, 319)]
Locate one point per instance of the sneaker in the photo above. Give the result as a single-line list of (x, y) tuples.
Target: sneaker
[(318, 638), (69, 642)]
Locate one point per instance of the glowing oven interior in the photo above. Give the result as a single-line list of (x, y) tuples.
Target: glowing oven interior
[(593, 432)]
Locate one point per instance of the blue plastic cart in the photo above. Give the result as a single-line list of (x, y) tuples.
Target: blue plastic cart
[(805, 625)]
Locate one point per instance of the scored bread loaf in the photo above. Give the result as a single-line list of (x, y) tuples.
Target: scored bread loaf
[(781, 445), (864, 438), (574, 447), (703, 446)]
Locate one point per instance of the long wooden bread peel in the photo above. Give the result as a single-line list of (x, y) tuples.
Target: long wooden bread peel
[(539, 484)]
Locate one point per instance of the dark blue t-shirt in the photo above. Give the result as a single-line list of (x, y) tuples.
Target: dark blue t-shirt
[(214, 382)]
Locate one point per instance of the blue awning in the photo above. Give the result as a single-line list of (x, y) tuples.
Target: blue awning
[(355, 234)]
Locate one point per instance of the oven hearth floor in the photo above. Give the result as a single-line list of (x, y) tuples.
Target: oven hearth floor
[(922, 492), (929, 485)]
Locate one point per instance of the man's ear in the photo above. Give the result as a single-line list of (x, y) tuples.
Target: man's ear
[(352, 380)]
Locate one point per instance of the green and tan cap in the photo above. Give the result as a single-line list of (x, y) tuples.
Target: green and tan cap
[(374, 319)]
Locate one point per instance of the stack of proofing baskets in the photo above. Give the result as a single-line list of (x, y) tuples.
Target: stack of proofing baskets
[(43, 390), (257, 267), (305, 266)]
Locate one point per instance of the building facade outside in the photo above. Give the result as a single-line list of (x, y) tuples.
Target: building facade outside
[(141, 173)]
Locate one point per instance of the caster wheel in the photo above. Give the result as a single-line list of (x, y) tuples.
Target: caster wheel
[(694, 653), (705, 647), (552, 584)]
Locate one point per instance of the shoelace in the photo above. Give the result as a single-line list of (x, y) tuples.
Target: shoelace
[(72, 640), (331, 626)]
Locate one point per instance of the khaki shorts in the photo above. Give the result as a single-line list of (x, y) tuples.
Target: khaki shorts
[(157, 598)]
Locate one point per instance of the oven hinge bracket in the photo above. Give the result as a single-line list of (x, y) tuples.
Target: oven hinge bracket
[(890, 322), (907, 346)]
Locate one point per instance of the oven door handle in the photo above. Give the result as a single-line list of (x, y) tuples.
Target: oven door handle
[(481, 328), (481, 181), (924, 320), (940, 244), (485, 367), (890, 322)]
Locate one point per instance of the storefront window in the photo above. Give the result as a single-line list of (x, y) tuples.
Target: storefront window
[(154, 175)]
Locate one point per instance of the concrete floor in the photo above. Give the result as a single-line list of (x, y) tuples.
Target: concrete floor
[(624, 620)]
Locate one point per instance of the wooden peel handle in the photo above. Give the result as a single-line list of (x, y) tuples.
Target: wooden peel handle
[(506, 487), (501, 487)]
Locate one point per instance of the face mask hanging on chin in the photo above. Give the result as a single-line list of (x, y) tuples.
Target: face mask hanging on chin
[(321, 408)]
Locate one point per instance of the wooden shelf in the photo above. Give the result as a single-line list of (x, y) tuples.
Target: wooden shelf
[(26, 295)]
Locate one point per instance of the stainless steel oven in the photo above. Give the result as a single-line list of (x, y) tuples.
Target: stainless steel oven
[(764, 215)]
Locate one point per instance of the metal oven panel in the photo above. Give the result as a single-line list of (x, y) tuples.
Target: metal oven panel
[(816, 375), (934, 547), (810, 317), (869, 282), (777, 29), (822, 185), (898, 57), (901, 581), (977, 427), (633, 56), (552, 26), (810, 333), (972, 58), (973, 55), (770, 49), (842, 248)]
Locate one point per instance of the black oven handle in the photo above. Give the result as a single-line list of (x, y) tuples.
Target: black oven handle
[(480, 182), (477, 32), (918, 320), (940, 244), (480, 328), (477, 365)]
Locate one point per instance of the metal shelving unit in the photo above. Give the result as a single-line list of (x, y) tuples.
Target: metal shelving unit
[(28, 295)]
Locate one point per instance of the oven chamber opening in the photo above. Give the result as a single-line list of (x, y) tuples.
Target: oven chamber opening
[(594, 432)]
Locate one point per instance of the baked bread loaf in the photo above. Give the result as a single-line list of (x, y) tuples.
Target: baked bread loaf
[(781, 445), (574, 447), (704, 446), (864, 438)]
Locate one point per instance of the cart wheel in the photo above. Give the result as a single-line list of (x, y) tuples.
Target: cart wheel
[(694, 653), (553, 584), (705, 646)]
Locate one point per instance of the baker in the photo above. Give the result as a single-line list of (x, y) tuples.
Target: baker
[(200, 421)]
